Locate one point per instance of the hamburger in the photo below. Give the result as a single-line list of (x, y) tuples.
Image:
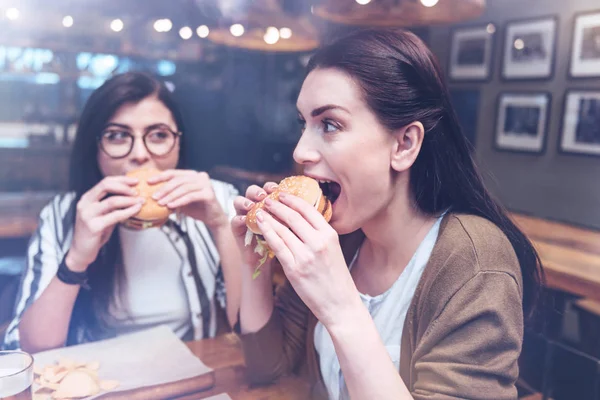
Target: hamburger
[(304, 187), (151, 214)]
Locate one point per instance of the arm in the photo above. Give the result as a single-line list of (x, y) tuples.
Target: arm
[(39, 284), (368, 370), (273, 333), (275, 348), (230, 264), (46, 314)]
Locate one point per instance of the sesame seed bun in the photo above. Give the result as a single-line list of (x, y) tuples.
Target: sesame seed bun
[(151, 214), (304, 187)]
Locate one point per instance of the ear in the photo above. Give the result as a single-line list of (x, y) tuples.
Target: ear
[(406, 146)]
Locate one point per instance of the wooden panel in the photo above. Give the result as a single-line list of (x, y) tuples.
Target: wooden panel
[(34, 169)]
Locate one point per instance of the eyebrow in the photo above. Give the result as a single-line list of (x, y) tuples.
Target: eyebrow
[(320, 110), (146, 129)]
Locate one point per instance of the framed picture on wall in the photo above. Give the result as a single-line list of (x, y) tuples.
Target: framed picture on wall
[(529, 48), (522, 122), (471, 53), (585, 52), (581, 123)]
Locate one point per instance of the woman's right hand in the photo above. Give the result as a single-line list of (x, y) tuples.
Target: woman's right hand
[(111, 201), (242, 205)]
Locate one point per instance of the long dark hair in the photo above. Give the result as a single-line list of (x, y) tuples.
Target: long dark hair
[(91, 314), (402, 82)]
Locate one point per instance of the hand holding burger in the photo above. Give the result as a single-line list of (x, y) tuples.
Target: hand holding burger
[(302, 187), (297, 232)]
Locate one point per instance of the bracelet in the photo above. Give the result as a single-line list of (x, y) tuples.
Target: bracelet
[(65, 275)]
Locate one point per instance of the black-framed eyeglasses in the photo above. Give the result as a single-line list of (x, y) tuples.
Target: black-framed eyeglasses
[(118, 143)]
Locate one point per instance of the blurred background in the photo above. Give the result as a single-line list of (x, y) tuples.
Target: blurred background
[(524, 77)]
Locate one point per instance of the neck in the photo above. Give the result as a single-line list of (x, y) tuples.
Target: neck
[(393, 236)]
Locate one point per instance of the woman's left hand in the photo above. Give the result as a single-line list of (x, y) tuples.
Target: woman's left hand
[(192, 193), (311, 257)]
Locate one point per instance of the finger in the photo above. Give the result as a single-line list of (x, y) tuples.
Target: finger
[(280, 239), (182, 189), (169, 186), (307, 211), (187, 198), (115, 203), (118, 216), (111, 185), (255, 193), (242, 205), (238, 226), (163, 176), (293, 220), (269, 187), (188, 177)]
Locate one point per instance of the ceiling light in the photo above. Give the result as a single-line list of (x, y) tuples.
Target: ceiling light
[(237, 30), (117, 25), (202, 31)]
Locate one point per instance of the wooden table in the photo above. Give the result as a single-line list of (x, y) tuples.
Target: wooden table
[(570, 255), (224, 355)]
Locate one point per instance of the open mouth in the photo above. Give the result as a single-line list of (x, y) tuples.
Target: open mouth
[(331, 190)]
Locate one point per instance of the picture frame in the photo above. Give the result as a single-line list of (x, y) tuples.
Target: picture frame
[(472, 53), (529, 49), (580, 132), (522, 121), (585, 46)]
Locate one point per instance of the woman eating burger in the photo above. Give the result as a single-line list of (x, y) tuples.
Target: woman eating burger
[(418, 285), (139, 241)]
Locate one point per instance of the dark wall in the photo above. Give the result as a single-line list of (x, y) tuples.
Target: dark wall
[(551, 185)]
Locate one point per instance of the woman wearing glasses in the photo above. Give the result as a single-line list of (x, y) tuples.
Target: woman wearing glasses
[(88, 277)]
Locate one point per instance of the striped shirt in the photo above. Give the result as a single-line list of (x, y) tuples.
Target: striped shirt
[(190, 239)]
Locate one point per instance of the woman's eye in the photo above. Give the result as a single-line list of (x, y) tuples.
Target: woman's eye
[(158, 136), (116, 136), (302, 124), (329, 127)]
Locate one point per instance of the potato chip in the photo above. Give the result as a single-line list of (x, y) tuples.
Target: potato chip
[(76, 384), (70, 379), (109, 385), (94, 366)]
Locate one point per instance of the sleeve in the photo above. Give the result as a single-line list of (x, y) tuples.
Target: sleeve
[(226, 194), (220, 290), (277, 348), (42, 260), (471, 349)]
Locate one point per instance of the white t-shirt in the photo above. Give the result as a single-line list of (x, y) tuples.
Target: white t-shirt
[(155, 292), (388, 311)]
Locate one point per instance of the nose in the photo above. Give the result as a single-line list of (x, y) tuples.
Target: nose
[(139, 154), (306, 150)]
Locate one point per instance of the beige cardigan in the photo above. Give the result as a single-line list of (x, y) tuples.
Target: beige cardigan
[(462, 334)]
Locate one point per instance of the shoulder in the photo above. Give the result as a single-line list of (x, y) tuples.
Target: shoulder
[(58, 207), (474, 245), (223, 188), (467, 247)]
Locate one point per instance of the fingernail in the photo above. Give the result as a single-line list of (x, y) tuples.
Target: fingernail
[(282, 196), (262, 194), (273, 186), (248, 204), (243, 218), (156, 196), (259, 216), (268, 202)]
